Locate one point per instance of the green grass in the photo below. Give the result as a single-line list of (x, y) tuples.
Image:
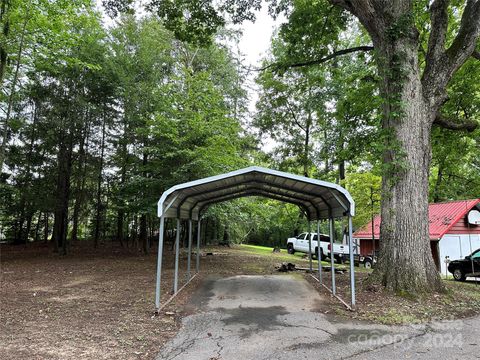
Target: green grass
[(283, 255)]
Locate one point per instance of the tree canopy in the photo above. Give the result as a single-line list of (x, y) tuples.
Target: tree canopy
[(97, 121)]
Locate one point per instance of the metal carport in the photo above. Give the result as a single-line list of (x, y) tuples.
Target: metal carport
[(320, 200)]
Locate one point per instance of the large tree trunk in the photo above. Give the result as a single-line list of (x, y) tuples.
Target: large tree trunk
[(406, 263), (412, 103)]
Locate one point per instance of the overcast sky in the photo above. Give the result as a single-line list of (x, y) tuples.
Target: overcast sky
[(255, 43)]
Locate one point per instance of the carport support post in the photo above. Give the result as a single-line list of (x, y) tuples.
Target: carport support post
[(189, 258), (198, 245), (310, 255), (159, 262), (352, 265), (177, 250), (332, 257), (319, 254)]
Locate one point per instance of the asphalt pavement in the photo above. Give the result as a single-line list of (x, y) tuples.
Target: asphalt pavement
[(282, 317)]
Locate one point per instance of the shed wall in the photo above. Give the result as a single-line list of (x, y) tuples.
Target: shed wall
[(462, 227)]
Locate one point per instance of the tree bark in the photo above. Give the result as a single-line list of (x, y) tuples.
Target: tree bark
[(123, 177), (5, 20), (120, 221), (411, 104), (45, 231), (99, 186), (60, 225), (37, 226), (438, 183), (306, 146), (405, 262), (143, 218), (80, 186), (143, 233)]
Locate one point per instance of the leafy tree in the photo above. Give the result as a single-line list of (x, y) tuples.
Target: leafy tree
[(365, 188), (413, 86)]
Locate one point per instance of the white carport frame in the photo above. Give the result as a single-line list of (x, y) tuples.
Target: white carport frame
[(319, 200)]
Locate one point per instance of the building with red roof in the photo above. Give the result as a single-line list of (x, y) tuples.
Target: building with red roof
[(454, 231)]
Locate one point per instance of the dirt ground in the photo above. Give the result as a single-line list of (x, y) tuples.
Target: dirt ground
[(99, 304), (96, 304)]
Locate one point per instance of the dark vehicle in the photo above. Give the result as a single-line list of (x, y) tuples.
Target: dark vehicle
[(470, 266)]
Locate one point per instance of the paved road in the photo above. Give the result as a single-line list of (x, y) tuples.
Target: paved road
[(278, 317)]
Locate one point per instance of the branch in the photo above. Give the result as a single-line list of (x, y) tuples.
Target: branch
[(442, 64), (439, 26), (464, 43), (294, 116), (467, 125), (476, 55), (318, 61)]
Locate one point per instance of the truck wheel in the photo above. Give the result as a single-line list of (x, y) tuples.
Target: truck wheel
[(290, 249), (322, 255), (315, 254), (459, 275), (368, 264)]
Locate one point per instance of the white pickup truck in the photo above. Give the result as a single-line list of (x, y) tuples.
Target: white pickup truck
[(301, 244)]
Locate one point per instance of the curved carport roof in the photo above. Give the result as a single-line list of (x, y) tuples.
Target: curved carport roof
[(319, 199)]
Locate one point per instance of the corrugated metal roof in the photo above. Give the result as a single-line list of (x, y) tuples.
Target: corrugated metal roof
[(441, 216), (319, 199)]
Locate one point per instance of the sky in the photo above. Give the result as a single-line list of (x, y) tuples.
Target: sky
[(254, 45)]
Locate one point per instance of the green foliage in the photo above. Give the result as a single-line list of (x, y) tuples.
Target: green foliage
[(456, 155), (125, 112), (365, 189)]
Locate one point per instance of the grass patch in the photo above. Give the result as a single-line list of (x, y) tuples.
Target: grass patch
[(283, 255)]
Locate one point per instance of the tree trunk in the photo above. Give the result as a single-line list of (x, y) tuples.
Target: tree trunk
[(29, 226), (26, 207), (45, 233), (99, 187), (438, 183), (19, 234), (341, 170), (80, 186), (123, 177), (144, 233), (5, 20), (37, 226), (60, 225), (405, 263), (120, 220), (306, 147)]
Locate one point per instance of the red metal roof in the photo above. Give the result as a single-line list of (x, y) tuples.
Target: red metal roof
[(441, 216)]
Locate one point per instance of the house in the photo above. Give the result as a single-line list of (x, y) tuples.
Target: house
[(454, 231)]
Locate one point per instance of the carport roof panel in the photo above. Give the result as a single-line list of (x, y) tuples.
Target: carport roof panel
[(320, 199)]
